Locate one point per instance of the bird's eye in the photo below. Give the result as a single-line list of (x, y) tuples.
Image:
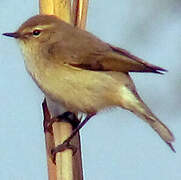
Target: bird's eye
[(36, 32)]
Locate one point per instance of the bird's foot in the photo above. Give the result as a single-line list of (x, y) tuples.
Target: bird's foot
[(67, 116), (48, 125), (62, 147)]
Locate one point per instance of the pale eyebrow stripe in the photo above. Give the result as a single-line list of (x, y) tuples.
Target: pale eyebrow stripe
[(39, 27), (46, 26)]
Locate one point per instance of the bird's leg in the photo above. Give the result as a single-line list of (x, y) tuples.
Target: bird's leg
[(66, 144)]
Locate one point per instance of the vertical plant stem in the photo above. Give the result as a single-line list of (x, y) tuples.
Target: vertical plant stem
[(49, 141), (61, 131), (60, 8), (79, 16), (80, 8), (67, 168)]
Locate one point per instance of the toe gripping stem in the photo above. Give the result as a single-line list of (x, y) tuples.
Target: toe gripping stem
[(70, 118), (65, 117)]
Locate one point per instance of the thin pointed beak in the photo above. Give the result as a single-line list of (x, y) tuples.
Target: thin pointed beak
[(14, 35)]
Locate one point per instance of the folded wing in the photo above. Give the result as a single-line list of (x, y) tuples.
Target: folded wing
[(84, 50), (116, 59)]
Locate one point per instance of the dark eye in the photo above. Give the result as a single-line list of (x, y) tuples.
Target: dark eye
[(36, 32)]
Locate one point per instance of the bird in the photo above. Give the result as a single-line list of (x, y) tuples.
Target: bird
[(75, 68)]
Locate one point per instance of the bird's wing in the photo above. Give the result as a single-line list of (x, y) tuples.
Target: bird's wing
[(86, 51), (116, 59)]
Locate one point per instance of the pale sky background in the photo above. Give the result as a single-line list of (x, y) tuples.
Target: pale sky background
[(116, 144)]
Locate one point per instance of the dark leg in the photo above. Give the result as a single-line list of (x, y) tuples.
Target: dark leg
[(79, 127), (66, 143)]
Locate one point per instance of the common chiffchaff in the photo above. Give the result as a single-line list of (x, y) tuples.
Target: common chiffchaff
[(74, 68)]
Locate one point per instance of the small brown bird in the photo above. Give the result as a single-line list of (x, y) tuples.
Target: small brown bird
[(75, 68)]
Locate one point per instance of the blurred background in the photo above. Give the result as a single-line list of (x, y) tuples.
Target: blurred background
[(116, 144)]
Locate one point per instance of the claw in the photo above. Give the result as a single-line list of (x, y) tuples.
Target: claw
[(67, 115), (62, 147), (48, 125), (66, 144)]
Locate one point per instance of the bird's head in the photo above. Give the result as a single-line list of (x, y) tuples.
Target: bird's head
[(38, 29)]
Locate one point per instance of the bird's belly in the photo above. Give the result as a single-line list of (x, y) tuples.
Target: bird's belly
[(78, 90)]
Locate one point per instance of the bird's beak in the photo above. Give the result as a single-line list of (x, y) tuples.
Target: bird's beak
[(14, 34)]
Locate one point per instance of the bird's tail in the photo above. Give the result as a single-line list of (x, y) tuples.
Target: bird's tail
[(158, 126), (134, 103)]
